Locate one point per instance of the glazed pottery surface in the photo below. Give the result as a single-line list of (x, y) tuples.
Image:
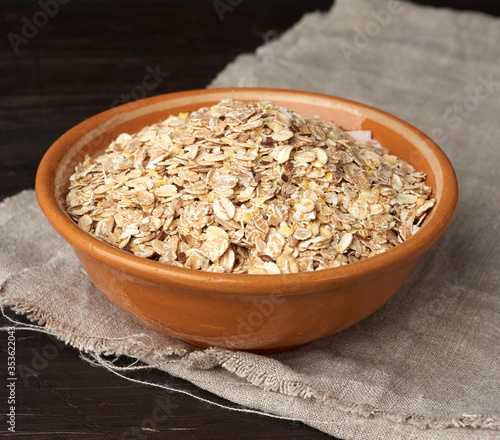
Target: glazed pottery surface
[(263, 313)]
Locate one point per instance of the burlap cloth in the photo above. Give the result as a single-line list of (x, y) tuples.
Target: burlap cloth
[(425, 366)]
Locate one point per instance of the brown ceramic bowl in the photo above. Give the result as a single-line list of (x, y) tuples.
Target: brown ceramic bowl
[(264, 313)]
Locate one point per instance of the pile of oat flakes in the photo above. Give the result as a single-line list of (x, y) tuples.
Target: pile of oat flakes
[(248, 187)]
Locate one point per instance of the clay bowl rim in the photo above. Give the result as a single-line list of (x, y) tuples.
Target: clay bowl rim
[(245, 284)]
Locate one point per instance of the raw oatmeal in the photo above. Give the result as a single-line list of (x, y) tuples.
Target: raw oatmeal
[(249, 187)]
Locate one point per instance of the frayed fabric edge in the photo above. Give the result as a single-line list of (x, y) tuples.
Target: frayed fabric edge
[(226, 359), (127, 346)]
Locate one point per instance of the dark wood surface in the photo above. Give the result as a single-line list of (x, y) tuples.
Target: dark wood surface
[(87, 56)]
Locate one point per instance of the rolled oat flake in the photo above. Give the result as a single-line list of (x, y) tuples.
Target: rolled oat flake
[(249, 187)]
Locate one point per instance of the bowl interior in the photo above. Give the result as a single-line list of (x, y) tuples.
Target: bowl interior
[(93, 135)]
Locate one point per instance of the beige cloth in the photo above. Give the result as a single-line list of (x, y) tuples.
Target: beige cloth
[(426, 365)]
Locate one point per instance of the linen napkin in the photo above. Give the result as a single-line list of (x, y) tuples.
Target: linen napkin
[(427, 364)]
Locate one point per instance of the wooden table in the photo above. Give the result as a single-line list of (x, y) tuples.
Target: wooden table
[(78, 59)]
